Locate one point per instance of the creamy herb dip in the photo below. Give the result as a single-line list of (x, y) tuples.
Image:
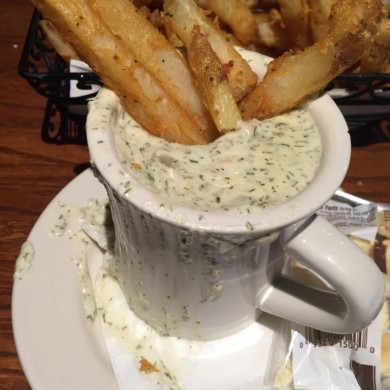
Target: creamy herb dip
[(260, 164)]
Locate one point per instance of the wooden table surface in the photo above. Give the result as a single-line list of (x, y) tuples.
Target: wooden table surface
[(32, 172)]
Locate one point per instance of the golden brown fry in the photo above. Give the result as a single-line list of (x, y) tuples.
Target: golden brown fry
[(251, 3), (140, 93), (157, 55), (235, 14), (383, 36), (212, 81), (375, 60), (145, 3), (154, 16), (172, 37), (271, 31), (377, 57), (319, 17), (63, 48), (183, 15), (386, 9), (296, 17), (293, 77)]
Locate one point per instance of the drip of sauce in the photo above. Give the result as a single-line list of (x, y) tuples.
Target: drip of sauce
[(24, 260), (168, 355), (83, 226)]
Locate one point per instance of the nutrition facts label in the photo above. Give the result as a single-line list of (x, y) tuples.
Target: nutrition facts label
[(349, 218)]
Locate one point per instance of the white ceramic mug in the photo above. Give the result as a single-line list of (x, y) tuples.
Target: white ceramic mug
[(211, 277)]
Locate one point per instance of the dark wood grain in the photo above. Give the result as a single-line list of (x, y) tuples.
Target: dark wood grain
[(369, 172), (33, 172)]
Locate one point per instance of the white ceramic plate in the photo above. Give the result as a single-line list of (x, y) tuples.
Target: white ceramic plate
[(59, 349)]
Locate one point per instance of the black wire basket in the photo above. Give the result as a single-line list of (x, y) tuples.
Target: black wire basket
[(364, 99), (50, 76)]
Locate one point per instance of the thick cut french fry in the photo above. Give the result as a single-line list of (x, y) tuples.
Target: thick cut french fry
[(140, 93), (236, 15), (375, 60), (141, 3), (319, 16), (154, 82), (212, 81), (183, 15), (296, 16), (293, 77), (383, 36), (63, 48), (157, 55), (251, 3), (271, 31), (154, 16)]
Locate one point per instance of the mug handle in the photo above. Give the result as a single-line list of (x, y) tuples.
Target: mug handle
[(356, 279)]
